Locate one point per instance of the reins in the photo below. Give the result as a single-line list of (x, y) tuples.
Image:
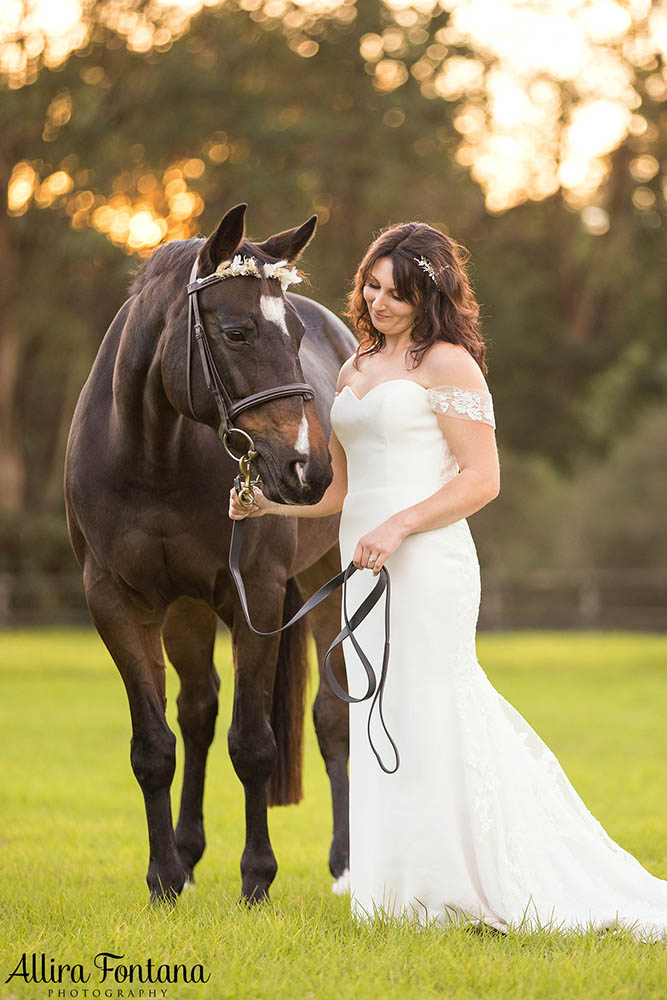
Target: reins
[(244, 486)]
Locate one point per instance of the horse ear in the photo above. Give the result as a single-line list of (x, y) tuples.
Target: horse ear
[(289, 244), (222, 243)]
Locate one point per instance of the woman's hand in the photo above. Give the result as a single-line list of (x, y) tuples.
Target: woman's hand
[(237, 511), (374, 548)]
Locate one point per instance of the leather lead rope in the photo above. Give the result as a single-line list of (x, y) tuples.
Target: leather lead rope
[(375, 689), (227, 410)]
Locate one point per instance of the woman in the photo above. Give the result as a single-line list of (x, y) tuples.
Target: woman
[(479, 821)]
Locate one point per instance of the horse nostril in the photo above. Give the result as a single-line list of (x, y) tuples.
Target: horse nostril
[(300, 468)]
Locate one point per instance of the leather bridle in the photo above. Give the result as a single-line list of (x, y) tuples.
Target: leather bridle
[(227, 410)]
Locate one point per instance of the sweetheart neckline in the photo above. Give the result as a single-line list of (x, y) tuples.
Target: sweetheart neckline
[(387, 381)]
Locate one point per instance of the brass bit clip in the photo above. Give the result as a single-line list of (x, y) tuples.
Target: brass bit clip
[(243, 484)]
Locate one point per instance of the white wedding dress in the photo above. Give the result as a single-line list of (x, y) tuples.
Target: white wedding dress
[(479, 821)]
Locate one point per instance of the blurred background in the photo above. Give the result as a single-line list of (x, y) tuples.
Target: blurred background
[(532, 131)]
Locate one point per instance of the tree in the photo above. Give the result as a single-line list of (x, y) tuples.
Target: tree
[(150, 129)]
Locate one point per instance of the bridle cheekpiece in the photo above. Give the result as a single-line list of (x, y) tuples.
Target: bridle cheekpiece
[(237, 267)]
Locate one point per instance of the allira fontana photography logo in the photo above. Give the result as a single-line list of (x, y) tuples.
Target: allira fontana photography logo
[(107, 970)]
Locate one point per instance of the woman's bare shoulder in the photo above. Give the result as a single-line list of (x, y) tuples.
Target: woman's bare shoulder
[(345, 373), (452, 364)]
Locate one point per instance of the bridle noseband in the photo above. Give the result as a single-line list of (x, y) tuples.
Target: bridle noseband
[(227, 409)]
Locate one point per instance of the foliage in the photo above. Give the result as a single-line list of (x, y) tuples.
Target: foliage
[(609, 513), (615, 512), (233, 105), (31, 542), (519, 530)]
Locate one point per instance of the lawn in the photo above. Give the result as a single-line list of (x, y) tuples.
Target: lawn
[(74, 845)]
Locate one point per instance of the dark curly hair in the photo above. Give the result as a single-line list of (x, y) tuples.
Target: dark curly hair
[(446, 309)]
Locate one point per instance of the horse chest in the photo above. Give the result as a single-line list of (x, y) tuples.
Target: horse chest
[(162, 567)]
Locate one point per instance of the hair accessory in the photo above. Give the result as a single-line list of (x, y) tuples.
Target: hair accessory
[(427, 266), (250, 267)]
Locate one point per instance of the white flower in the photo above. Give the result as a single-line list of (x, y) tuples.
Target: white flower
[(283, 273), (248, 266), (270, 269)]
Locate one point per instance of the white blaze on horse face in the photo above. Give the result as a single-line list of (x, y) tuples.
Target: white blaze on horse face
[(302, 446), (273, 310)]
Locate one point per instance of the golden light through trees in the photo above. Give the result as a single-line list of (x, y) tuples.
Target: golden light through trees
[(140, 214), (519, 138), (545, 91)]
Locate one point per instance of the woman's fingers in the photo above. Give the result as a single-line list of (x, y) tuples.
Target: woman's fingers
[(366, 557), (238, 510), (261, 502)]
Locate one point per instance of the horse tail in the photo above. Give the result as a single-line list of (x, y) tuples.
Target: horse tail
[(288, 707)]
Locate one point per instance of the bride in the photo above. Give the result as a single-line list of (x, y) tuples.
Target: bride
[(479, 822)]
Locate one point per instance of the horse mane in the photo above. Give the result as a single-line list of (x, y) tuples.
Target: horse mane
[(164, 262)]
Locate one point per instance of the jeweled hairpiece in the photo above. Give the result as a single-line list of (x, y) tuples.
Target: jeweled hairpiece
[(250, 267), (427, 266)]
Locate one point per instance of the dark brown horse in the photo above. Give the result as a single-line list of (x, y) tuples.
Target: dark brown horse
[(147, 490)]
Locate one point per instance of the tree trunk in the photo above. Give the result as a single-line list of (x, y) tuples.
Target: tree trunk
[(12, 462)]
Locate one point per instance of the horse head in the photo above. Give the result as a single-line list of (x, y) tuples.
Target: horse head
[(253, 333)]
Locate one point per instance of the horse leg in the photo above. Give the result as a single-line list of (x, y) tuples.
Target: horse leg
[(252, 745), (189, 637), (330, 714), (132, 636)]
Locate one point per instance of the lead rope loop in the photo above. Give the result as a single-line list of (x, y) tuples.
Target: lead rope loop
[(383, 585)]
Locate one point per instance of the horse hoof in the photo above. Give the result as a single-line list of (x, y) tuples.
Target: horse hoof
[(165, 890), (341, 886), (256, 897), (164, 897)]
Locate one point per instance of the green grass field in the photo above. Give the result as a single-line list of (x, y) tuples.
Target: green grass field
[(74, 846)]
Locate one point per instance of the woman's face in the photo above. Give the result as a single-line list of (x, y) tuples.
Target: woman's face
[(389, 314)]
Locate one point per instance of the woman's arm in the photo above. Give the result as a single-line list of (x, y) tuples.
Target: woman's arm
[(473, 444), (331, 502), (478, 482)]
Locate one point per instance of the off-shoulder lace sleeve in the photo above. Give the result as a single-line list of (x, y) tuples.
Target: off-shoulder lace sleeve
[(467, 404)]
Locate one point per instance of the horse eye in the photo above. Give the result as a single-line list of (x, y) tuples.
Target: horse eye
[(236, 336)]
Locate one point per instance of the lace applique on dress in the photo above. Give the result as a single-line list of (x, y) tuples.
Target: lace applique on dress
[(467, 404)]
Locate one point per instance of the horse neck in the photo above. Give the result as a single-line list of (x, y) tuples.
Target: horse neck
[(147, 418)]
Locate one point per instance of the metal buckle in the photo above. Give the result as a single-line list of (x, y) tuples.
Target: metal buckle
[(251, 450), (196, 286)]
